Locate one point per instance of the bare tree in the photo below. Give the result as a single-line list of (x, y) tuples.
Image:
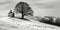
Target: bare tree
[(24, 9)]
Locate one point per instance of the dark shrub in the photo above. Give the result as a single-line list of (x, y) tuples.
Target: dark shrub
[(47, 19), (58, 21), (11, 14)]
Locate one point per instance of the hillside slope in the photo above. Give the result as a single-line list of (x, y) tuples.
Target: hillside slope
[(7, 23)]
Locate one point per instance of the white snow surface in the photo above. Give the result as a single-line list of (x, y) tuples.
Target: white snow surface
[(7, 23)]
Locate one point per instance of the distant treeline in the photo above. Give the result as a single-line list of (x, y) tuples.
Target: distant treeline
[(50, 20)]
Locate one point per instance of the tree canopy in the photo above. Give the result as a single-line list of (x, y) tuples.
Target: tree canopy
[(24, 9)]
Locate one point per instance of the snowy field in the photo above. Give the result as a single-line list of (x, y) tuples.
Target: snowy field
[(7, 23)]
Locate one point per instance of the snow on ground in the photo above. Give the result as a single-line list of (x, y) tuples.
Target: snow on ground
[(7, 23)]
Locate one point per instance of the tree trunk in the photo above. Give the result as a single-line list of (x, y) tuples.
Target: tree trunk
[(22, 12), (22, 16)]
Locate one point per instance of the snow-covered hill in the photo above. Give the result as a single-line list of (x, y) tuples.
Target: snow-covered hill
[(7, 23)]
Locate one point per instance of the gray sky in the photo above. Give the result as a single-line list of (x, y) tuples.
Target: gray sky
[(40, 7)]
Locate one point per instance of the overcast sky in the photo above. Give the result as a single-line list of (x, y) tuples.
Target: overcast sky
[(40, 7)]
